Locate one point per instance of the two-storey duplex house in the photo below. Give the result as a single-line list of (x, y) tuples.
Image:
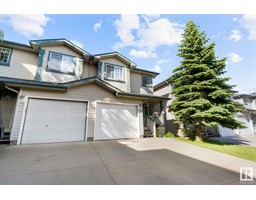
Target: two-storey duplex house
[(53, 91)]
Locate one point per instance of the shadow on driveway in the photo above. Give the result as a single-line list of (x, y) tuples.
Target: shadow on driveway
[(249, 140)]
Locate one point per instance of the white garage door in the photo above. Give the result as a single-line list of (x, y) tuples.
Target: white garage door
[(50, 121), (247, 130), (226, 131), (116, 121)]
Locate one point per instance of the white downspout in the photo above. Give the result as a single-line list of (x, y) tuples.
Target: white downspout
[(11, 89)]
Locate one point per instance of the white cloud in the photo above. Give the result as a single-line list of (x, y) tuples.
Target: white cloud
[(234, 58), (150, 17), (236, 35), (249, 23), (234, 19), (28, 25), (77, 43), (156, 69), (97, 26), (146, 33), (160, 32), (142, 53), (163, 61), (125, 27)]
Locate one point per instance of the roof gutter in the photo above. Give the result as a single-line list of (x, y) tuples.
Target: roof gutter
[(132, 95), (35, 86)]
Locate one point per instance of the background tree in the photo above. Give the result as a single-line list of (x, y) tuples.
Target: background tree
[(202, 95), (1, 35)]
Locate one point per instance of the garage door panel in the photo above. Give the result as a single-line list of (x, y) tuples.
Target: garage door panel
[(54, 121), (116, 121), (35, 127), (37, 116), (76, 117), (58, 105)]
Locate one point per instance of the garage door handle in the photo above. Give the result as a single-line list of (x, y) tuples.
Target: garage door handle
[(46, 125)]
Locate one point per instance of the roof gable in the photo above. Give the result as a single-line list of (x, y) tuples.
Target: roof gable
[(60, 41), (162, 84), (118, 56)]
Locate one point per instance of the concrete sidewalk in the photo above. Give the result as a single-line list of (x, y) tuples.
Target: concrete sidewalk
[(138, 162)]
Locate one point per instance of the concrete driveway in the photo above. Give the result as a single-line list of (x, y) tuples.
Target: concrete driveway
[(144, 161)]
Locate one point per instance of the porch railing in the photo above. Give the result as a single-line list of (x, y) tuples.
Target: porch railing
[(151, 124)]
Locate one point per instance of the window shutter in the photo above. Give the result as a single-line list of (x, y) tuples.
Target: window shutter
[(151, 81), (128, 80), (100, 70), (79, 67)]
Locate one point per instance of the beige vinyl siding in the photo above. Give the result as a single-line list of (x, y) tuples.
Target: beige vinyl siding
[(121, 85), (89, 71), (23, 65), (91, 93), (136, 84), (164, 90), (93, 70), (55, 76), (146, 90), (7, 108)]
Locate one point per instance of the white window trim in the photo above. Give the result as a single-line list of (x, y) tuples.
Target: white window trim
[(60, 71), (115, 67), (9, 56)]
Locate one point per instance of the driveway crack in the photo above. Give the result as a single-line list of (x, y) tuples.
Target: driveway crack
[(106, 167)]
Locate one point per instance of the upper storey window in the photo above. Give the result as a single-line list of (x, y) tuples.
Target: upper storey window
[(5, 56), (147, 81), (247, 101), (61, 63), (114, 72)]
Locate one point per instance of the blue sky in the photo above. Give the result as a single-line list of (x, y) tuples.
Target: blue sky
[(151, 41)]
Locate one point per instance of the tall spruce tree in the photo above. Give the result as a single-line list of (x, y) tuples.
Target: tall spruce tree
[(202, 95)]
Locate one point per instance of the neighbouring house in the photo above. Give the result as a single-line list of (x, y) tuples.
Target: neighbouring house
[(248, 116), (167, 117), (54, 91)]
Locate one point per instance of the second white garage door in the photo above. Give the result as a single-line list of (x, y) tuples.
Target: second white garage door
[(247, 130), (116, 121), (50, 121)]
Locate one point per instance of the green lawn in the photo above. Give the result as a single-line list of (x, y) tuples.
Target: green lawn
[(240, 151)]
